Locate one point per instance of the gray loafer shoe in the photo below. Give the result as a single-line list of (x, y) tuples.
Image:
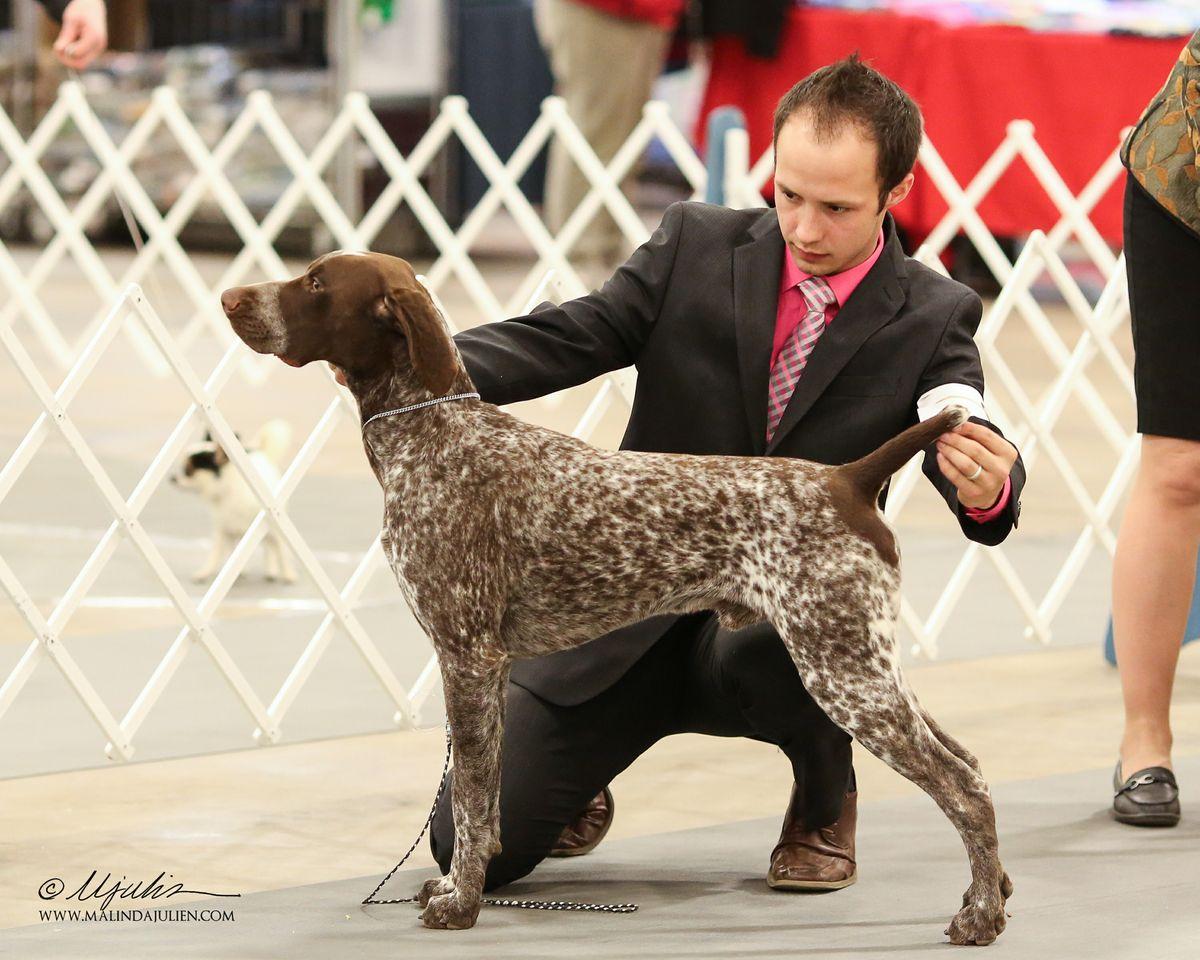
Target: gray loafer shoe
[(1149, 798)]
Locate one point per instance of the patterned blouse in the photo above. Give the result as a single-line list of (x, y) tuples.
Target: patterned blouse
[(1163, 148)]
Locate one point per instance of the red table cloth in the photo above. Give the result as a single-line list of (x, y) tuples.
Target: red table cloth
[(1079, 90)]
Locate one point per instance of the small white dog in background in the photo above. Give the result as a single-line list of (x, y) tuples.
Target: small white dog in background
[(206, 470)]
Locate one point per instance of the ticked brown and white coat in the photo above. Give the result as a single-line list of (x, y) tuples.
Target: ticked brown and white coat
[(510, 541)]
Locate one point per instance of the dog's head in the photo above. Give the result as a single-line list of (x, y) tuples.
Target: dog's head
[(201, 468), (361, 312)]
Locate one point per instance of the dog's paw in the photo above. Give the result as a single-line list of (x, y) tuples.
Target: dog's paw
[(451, 911), (981, 920), (436, 887)]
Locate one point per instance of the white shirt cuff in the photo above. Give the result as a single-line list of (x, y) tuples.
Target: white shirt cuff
[(934, 401)]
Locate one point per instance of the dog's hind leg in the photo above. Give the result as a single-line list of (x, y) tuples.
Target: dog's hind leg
[(287, 572), (965, 755), (270, 557), (474, 693), (849, 664), (949, 742), (278, 562)]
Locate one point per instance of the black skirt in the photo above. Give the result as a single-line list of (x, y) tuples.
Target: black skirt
[(1162, 262)]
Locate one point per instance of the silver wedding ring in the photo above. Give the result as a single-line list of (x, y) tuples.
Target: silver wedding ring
[(978, 471)]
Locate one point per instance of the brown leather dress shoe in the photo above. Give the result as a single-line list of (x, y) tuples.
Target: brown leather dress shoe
[(584, 833), (820, 859)]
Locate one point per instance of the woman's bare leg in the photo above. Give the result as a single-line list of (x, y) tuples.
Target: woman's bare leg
[(1153, 574)]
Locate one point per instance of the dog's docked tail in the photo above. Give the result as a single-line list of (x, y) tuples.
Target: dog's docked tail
[(869, 474)]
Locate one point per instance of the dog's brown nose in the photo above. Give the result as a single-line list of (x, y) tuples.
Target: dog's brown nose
[(230, 301)]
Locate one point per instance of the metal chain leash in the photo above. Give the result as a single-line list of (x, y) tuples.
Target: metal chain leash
[(490, 901), (421, 406)]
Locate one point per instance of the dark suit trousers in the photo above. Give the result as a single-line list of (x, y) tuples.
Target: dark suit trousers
[(698, 678)]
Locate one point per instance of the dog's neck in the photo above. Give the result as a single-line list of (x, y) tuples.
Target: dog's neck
[(392, 388), (395, 384)]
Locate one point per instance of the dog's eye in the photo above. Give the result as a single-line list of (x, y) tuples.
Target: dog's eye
[(314, 284)]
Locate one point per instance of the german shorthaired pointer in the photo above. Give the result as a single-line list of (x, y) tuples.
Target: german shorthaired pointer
[(509, 541)]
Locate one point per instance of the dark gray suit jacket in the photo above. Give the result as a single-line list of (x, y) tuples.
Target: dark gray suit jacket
[(694, 309)]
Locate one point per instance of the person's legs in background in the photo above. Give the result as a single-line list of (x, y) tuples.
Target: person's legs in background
[(1155, 563), (1153, 576), (604, 67)]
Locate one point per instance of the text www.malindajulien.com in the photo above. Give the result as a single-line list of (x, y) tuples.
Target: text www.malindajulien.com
[(135, 916)]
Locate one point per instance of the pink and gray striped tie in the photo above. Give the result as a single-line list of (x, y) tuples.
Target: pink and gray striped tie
[(785, 374)]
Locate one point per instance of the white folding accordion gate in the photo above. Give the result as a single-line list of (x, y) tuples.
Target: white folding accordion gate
[(126, 311)]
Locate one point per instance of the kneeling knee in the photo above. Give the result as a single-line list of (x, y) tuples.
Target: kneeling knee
[(513, 862), (505, 870), (441, 839)]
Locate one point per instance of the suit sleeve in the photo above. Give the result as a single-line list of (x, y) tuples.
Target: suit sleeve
[(55, 8), (956, 361), (556, 347)]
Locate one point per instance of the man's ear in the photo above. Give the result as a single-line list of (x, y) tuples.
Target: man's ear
[(432, 354), (899, 191)]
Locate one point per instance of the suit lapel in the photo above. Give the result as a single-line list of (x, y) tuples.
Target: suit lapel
[(875, 301), (756, 270)]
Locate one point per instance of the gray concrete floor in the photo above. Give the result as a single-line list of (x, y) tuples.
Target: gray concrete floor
[(1085, 887)]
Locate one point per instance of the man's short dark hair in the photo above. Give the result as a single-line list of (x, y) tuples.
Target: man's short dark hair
[(850, 91)]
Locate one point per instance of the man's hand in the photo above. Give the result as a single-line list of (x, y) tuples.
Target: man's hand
[(84, 34), (977, 461)]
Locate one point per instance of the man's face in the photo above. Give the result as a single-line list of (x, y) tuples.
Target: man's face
[(827, 196)]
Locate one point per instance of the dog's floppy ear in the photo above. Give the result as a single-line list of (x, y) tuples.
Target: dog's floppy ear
[(433, 356)]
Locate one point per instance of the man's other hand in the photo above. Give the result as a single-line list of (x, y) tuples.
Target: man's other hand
[(84, 34)]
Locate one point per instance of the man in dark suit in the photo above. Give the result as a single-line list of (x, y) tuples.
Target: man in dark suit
[(800, 331)]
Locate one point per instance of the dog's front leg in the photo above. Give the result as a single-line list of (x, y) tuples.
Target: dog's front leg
[(474, 695), (216, 555)]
